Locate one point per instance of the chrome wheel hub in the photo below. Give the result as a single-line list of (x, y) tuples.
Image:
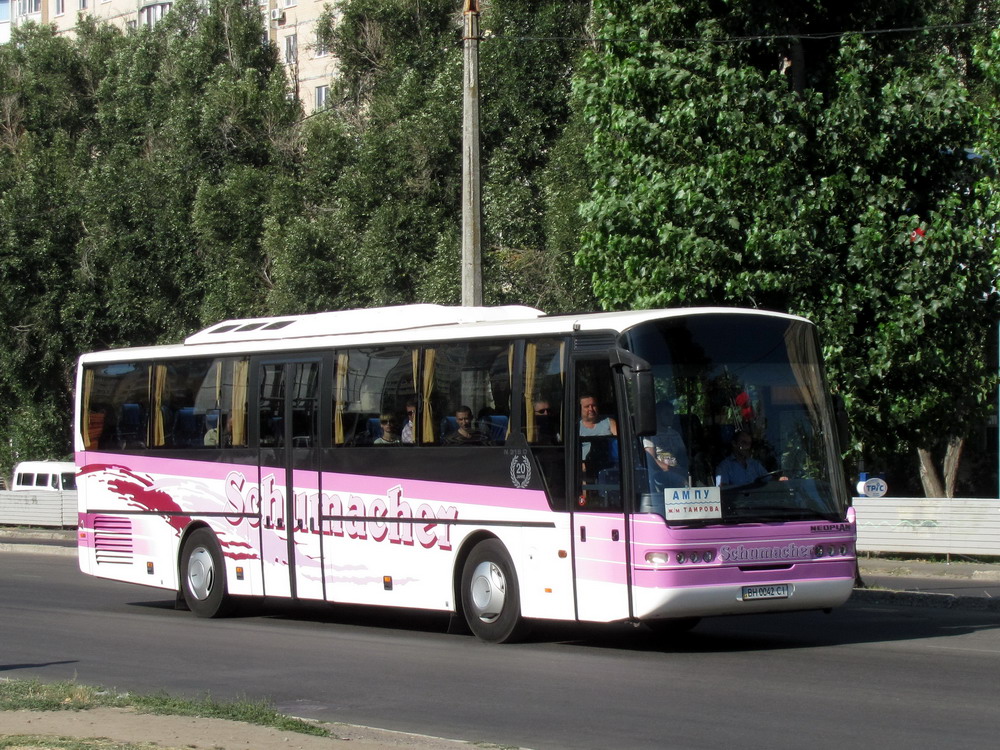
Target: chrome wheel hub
[(200, 573), (488, 590)]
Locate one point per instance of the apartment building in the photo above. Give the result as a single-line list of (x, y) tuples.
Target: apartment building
[(291, 26)]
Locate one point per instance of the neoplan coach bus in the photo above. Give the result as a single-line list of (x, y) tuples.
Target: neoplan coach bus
[(494, 463)]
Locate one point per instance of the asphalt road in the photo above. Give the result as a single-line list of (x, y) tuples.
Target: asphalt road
[(865, 675)]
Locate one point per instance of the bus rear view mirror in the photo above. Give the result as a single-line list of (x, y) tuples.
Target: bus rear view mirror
[(644, 414)]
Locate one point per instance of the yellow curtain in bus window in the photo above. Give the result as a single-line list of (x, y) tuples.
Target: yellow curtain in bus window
[(241, 385), (427, 431)]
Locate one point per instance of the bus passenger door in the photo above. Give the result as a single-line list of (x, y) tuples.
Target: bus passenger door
[(288, 439), (600, 534)]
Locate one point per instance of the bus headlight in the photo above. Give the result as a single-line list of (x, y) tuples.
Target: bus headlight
[(680, 558)]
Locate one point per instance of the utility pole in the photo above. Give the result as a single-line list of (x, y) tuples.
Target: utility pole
[(472, 254)]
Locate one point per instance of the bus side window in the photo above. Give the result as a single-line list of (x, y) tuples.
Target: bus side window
[(473, 376), (542, 413), (375, 383), (598, 456)]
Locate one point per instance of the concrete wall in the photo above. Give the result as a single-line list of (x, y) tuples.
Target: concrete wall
[(928, 525), (38, 508)]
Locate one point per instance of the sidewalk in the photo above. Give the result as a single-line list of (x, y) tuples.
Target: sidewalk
[(969, 585), (956, 584), (50, 541)]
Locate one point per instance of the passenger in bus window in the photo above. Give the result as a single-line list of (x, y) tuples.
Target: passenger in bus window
[(591, 422), (390, 430), (409, 422), (546, 423), (465, 434), (668, 457), (590, 418), (601, 454), (740, 468)]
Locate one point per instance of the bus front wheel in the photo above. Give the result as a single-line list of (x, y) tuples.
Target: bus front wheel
[(491, 599), (203, 575)]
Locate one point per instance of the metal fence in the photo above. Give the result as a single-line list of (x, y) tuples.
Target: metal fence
[(942, 526), (38, 508)]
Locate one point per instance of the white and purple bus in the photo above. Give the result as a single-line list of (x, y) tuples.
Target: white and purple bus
[(494, 463)]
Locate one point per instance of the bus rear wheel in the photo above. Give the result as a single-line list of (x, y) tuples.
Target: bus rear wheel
[(491, 599), (203, 575)]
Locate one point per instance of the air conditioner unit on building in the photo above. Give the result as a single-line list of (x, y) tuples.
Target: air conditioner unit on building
[(278, 15)]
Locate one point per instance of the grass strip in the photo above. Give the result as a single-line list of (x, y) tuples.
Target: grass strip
[(34, 695), (39, 742)]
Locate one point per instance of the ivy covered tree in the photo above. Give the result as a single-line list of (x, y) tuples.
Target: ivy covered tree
[(748, 156)]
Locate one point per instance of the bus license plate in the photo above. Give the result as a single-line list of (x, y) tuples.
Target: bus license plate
[(773, 591)]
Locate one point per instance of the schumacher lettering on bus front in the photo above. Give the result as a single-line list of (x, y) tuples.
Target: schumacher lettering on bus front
[(743, 553)]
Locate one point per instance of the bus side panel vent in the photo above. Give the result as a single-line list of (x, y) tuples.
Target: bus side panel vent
[(113, 540), (595, 341)]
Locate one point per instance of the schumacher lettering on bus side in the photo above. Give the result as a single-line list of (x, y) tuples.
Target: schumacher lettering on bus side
[(389, 518)]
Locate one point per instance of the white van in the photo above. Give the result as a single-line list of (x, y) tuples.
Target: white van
[(44, 476)]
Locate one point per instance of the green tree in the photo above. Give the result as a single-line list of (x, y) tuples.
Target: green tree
[(194, 135), (139, 172), (392, 172), (741, 161), (47, 110), (533, 167)]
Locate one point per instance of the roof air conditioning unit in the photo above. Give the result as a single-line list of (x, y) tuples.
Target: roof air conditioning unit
[(278, 15)]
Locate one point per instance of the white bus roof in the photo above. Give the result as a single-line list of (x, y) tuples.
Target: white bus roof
[(394, 324), (370, 320)]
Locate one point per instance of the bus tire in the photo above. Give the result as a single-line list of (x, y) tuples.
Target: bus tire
[(491, 598), (203, 575)]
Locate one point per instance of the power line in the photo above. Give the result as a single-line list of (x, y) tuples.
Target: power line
[(819, 36)]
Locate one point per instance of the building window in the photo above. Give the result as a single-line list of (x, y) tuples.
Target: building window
[(320, 48), (322, 94), (27, 7), (150, 15), (60, 7), (83, 4), (291, 49)]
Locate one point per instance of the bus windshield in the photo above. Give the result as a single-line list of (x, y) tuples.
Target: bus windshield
[(744, 428)]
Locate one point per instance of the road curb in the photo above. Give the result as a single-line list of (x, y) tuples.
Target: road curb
[(44, 549), (920, 599)]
